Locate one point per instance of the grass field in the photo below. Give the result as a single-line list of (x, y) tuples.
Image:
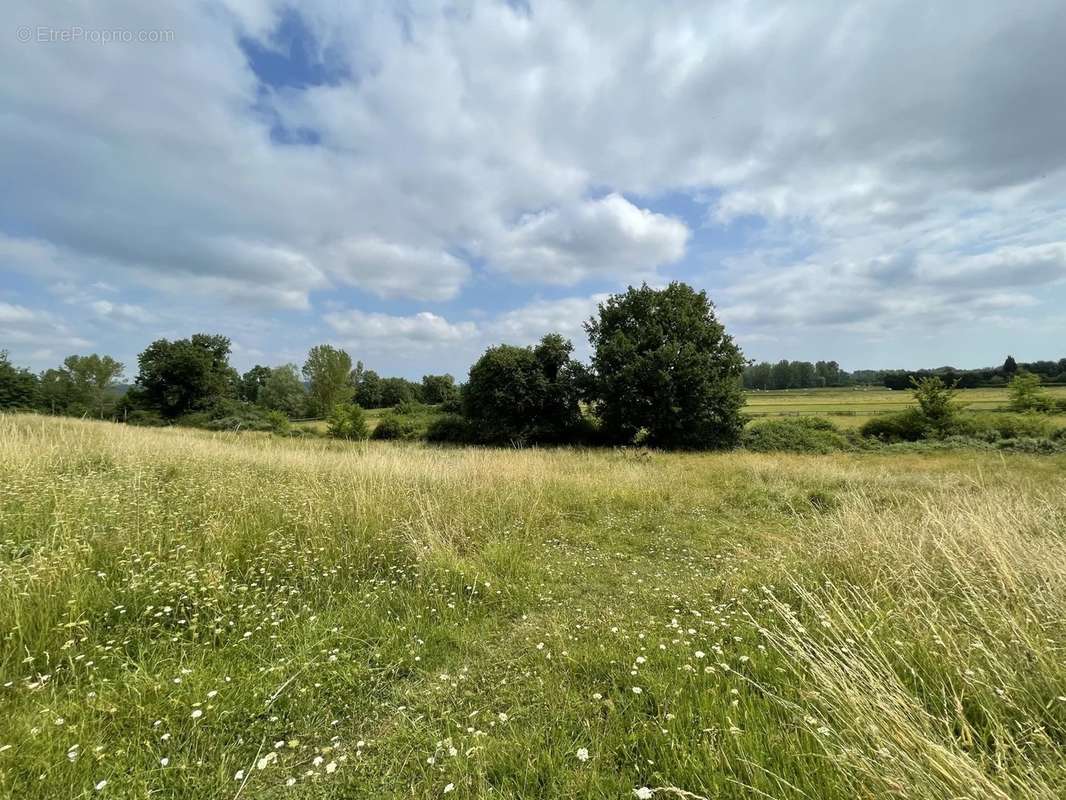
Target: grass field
[(849, 408), (204, 615)]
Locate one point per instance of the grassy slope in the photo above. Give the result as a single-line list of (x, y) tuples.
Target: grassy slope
[(834, 627)]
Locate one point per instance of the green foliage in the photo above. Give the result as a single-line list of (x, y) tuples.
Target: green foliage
[(252, 382), (395, 391), (19, 388), (186, 375), (437, 389), (452, 429), (327, 370), (518, 394), (992, 426), (936, 403), (348, 421), (1026, 394), (397, 426), (368, 391), (663, 362), (794, 435), (909, 425), (283, 391)]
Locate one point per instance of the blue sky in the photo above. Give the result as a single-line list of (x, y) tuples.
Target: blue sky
[(879, 186)]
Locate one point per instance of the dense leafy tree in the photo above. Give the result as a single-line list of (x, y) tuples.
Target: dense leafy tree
[(524, 393), (438, 389), (368, 389), (1010, 366), (90, 382), (327, 370), (252, 383), (663, 363), (395, 391), (185, 375), (19, 388), (284, 391)]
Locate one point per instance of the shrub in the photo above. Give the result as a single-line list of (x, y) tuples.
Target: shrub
[(348, 421), (452, 428), (396, 426), (144, 417), (993, 426), (936, 404), (902, 426), (1026, 394), (1030, 445), (794, 435)]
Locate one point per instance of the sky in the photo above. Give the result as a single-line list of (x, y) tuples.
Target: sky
[(879, 183)]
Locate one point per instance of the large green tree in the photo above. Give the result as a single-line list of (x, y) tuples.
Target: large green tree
[(438, 389), (185, 375), (328, 370), (284, 391), (524, 393), (19, 388), (663, 363), (90, 380)]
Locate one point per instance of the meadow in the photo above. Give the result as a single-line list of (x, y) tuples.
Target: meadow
[(849, 407), (203, 615)]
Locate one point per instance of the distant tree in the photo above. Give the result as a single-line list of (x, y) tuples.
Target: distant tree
[(284, 391), (368, 392), (1010, 366), (524, 393), (803, 374), (395, 391), (936, 403), (88, 381), (19, 388), (438, 389), (252, 383), (327, 371), (663, 363), (347, 421), (781, 375), (1026, 393), (185, 375)]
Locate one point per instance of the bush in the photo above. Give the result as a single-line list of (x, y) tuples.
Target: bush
[(348, 422), (452, 428), (794, 435), (397, 427), (992, 426), (902, 426), (1030, 445)]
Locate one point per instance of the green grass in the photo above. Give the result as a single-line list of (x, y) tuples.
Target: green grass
[(378, 620), (850, 407)]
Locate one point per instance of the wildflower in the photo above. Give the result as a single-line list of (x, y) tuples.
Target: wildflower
[(197, 713), (264, 762), (449, 788), (164, 761), (290, 782), (637, 690), (643, 793), (331, 767), (582, 754), (239, 775), (100, 786)]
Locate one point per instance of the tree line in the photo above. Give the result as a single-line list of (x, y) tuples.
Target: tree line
[(663, 372)]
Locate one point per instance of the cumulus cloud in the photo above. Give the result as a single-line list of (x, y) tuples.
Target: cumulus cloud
[(607, 237)]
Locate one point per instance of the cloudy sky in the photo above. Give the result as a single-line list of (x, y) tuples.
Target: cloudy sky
[(880, 183)]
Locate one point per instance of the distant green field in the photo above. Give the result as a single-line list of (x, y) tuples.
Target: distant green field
[(840, 404)]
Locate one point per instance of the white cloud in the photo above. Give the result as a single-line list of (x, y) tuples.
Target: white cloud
[(606, 237)]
